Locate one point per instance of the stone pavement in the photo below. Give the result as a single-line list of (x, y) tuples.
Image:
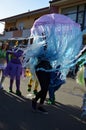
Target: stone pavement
[(16, 112)]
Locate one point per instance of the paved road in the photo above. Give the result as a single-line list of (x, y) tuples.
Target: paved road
[(16, 112)]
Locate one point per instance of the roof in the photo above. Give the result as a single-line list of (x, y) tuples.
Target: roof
[(25, 14), (52, 1)]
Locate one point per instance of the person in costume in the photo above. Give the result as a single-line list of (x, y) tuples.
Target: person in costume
[(81, 78), (3, 49), (83, 114), (55, 37), (44, 80), (55, 83), (32, 82), (81, 63), (85, 74), (14, 68)]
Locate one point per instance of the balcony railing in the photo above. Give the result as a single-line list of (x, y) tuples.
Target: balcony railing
[(15, 34)]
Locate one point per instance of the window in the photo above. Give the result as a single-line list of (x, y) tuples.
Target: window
[(85, 21), (21, 26), (80, 18), (77, 14), (70, 10), (72, 16), (81, 7)]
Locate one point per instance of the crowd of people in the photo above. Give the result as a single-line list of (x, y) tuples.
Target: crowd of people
[(11, 65)]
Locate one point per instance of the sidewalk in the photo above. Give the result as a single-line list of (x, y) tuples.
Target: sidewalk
[(72, 93), (16, 112)]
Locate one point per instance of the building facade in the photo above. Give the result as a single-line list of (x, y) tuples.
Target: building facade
[(75, 9), (20, 25)]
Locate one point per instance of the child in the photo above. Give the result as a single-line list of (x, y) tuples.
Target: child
[(31, 81)]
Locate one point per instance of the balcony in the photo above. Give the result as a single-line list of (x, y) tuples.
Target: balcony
[(15, 34)]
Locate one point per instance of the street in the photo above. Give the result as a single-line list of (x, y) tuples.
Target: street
[(16, 112)]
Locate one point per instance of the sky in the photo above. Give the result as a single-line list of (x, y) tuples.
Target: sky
[(10, 8)]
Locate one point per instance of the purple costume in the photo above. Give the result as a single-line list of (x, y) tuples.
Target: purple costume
[(14, 68)]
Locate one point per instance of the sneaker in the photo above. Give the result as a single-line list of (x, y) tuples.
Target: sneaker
[(10, 90), (18, 93), (42, 110), (50, 102), (35, 91), (29, 88), (1, 87), (34, 104)]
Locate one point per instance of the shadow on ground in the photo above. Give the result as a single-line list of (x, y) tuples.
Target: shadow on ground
[(16, 114)]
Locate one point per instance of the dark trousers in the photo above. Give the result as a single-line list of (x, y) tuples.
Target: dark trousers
[(17, 84), (53, 88), (44, 80), (85, 81)]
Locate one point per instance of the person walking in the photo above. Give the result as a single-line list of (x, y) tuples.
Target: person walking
[(44, 79), (14, 69), (85, 74), (55, 83), (3, 49)]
